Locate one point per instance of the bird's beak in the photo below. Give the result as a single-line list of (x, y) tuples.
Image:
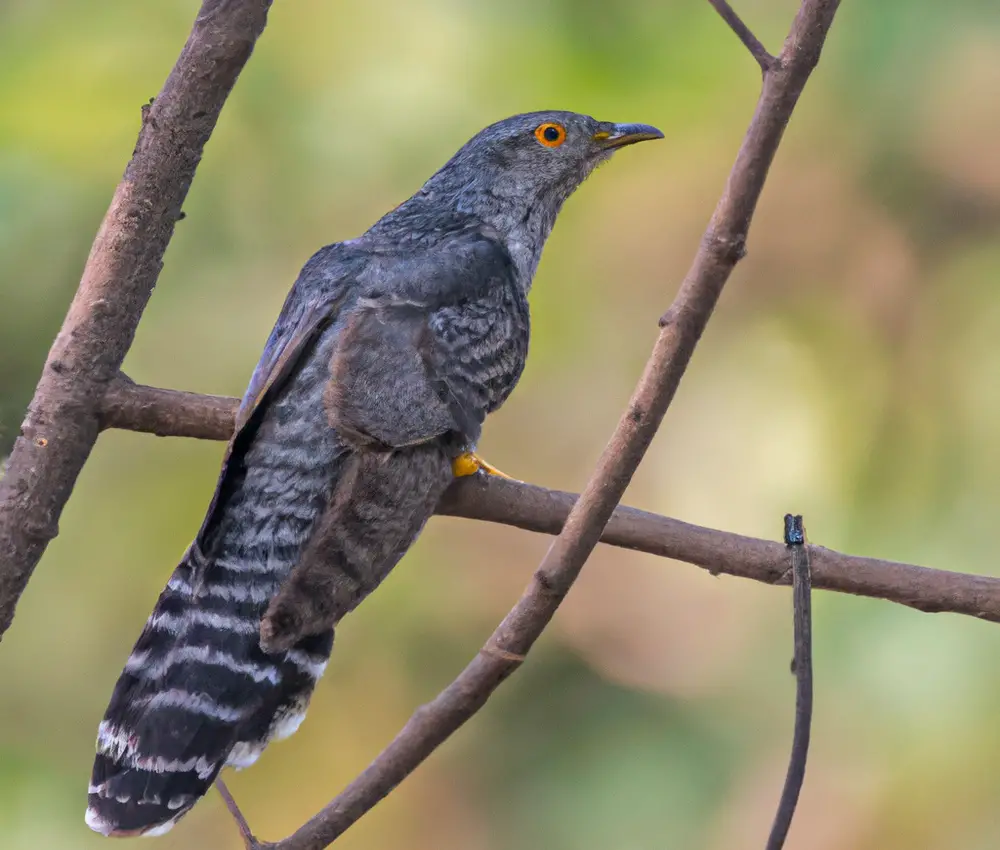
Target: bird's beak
[(619, 135)]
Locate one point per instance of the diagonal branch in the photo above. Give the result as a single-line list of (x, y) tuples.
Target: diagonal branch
[(81, 391), (750, 41), (249, 841), (62, 425), (682, 327)]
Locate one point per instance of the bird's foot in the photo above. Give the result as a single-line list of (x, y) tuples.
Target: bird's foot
[(470, 463)]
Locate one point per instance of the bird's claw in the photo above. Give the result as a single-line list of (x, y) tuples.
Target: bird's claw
[(470, 463)]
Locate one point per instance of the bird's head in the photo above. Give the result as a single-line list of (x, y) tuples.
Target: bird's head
[(538, 156), (514, 177)]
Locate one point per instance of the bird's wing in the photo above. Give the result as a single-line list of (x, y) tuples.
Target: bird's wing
[(405, 365), (299, 325), (291, 338), (410, 364)]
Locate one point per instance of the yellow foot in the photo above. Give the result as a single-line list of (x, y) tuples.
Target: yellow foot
[(470, 463)]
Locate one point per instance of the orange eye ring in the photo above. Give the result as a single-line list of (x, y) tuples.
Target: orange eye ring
[(551, 135)]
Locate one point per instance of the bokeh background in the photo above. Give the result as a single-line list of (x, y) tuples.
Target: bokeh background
[(850, 374)]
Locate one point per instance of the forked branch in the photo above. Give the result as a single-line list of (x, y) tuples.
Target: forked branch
[(750, 41), (681, 328), (82, 391), (62, 422)]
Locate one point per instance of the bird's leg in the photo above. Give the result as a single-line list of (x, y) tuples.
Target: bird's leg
[(469, 463), (249, 841)]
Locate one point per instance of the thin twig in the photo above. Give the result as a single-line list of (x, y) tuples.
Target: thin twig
[(62, 422), (795, 538), (246, 834), (80, 391), (750, 41)]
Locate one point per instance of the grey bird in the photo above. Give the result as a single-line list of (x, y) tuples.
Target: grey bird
[(388, 354)]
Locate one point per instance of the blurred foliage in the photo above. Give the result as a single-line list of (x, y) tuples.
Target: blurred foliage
[(850, 374)]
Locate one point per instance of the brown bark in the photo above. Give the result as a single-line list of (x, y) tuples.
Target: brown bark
[(63, 420), (532, 508), (681, 328), (82, 391)]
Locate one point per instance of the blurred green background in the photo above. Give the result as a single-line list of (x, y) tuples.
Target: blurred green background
[(850, 374)]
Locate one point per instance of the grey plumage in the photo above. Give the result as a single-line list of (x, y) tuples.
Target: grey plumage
[(389, 353)]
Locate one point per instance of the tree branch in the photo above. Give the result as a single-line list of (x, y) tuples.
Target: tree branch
[(681, 328), (167, 413), (62, 422), (170, 413), (757, 50), (795, 538), (533, 508), (249, 841), (81, 391)]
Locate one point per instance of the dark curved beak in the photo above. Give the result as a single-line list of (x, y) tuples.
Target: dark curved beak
[(618, 135)]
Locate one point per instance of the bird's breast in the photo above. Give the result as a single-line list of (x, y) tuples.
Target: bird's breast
[(488, 339)]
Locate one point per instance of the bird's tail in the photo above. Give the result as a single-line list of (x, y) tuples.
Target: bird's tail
[(197, 694)]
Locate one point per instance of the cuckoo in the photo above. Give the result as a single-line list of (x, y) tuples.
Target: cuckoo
[(388, 354)]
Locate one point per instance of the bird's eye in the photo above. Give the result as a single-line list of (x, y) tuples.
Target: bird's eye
[(550, 135)]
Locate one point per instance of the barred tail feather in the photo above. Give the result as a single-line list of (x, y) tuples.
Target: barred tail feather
[(196, 694)]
